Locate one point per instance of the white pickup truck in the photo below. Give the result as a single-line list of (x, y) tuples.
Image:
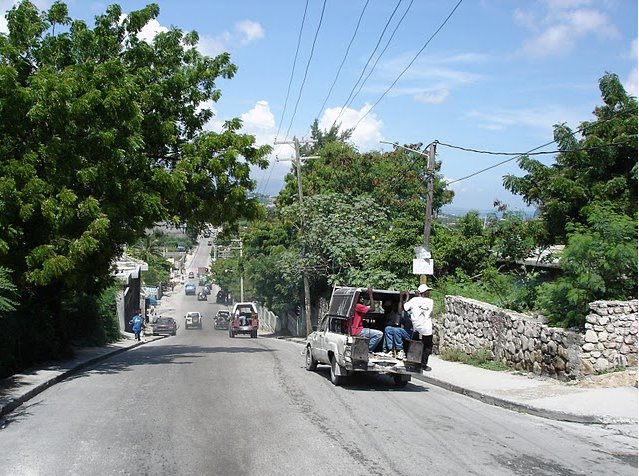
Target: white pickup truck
[(332, 345)]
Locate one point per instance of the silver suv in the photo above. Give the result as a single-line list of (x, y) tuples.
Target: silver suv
[(193, 319)]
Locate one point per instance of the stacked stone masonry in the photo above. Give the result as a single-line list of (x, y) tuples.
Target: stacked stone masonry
[(526, 344)]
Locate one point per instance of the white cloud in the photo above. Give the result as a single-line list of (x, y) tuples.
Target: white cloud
[(249, 31), (150, 30), (432, 97), (367, 133), (562, 26), (259, 118)]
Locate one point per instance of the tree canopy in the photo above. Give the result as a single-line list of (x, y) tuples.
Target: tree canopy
[(102, 135), (600, 166)]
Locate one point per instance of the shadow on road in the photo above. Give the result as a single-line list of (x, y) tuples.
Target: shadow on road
[(360, 381), (163, 355)]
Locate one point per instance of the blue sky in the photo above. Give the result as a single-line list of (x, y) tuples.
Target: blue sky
[(496, 77)]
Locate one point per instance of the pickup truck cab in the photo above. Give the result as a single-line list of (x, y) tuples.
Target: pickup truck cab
[(244, 319), (332, 345)]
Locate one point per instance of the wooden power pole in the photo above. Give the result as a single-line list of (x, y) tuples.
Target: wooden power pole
[(298, 166)]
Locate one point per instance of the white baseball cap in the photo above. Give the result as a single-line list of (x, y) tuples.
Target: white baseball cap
[(423, 288)]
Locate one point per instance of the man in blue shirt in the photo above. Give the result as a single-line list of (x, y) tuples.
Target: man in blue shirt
[(136, 325)]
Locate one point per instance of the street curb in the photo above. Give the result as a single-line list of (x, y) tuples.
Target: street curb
[(14, 403), (523, 408), (510, 405)]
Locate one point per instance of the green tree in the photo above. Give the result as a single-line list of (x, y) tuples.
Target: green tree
[(601, 166), (599, 262), (101, 136)]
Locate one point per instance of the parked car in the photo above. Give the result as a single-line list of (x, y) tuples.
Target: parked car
[(191, 275), (222, 319), (164, 325), (201, 296), (189, 289), (193, 319), (244, 320), (332, 345)]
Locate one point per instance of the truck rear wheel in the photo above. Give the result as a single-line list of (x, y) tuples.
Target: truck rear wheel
[(336, 380), (311, 363), (401, 380)]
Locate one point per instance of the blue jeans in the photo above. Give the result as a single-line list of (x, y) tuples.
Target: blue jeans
[(374, 336), (395, 337)]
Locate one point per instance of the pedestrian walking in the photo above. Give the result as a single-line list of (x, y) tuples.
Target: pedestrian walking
[(137, 323), (420, 308)]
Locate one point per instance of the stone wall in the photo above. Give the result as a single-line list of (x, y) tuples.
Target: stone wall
[(526, 344), (611, 336)]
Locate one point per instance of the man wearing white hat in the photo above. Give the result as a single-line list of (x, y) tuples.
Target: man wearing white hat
[(420, 308)]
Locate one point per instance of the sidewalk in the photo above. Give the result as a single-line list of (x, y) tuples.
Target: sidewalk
[(543, 397)]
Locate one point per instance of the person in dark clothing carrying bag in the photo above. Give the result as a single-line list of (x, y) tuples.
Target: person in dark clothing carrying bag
[(420, 308)]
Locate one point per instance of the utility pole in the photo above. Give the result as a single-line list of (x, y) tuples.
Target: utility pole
[(428, 215), (298, 167), (423, 256), (242, 271)]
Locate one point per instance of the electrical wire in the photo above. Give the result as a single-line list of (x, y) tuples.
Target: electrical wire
[(343, 59), (580, 130), (410, 64), (379, 40), (299, 96), (381, 54), (290, 81)]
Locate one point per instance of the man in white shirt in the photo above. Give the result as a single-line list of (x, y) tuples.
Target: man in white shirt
[(420, 308)]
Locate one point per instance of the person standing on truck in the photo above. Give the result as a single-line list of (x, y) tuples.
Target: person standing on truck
[(420, 308), (357, 326)]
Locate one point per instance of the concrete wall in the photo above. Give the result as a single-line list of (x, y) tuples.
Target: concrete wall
[(609, 340)]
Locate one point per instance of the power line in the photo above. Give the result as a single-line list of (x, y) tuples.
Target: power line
[(382, 53), (500, 163), (344, 59), (319, 25), (290, 81), (410, 64), (379, 40), (580, 130)]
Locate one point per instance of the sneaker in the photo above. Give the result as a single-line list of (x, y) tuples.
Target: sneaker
[(389, 354), (401, 355), (426, 368)]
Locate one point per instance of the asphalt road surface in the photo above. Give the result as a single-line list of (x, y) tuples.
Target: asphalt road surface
[(202, 403)]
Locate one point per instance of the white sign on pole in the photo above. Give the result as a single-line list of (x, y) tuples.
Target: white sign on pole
[(423, 266)]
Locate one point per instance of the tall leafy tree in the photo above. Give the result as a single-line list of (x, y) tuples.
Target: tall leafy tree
[(101, 136), (600, 166)]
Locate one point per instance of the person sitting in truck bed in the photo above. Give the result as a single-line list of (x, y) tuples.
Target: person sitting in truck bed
[(398, 328), (357, 328)]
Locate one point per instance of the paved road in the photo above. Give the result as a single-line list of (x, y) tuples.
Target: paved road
[(203, 403)]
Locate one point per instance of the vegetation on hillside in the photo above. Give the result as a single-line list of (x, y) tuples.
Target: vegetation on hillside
[(364, 214)]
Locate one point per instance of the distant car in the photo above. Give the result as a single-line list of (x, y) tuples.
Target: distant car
[(164, 325), (193, 319), (209, 243), (222, 319), (189, 289), (201, 296), (191, 275)]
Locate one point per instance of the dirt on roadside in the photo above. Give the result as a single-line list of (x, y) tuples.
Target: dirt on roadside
[(626, 378)]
